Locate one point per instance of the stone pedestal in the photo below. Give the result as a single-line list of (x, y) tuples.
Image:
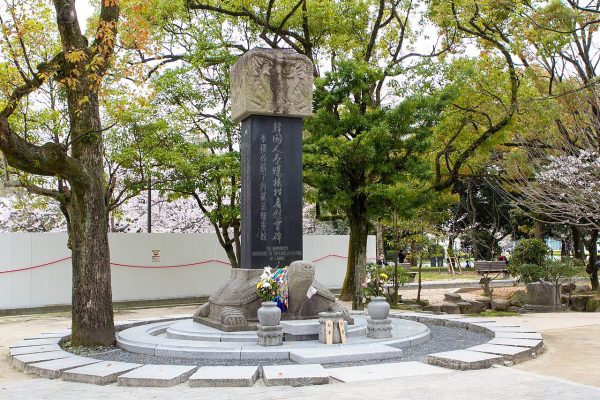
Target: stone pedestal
[(335, 318), (379, 328), (269, 335)]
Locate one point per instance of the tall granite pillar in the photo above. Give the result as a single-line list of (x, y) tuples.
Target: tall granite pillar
[(271, 93)]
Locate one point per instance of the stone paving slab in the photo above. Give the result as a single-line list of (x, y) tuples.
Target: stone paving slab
[(33, 349), (22, 360), (101, 373), (295, 375), (36, 342), (157, 375), (464, 359), (509, 353), (518, 335), (384, 371), (52, 369), (344, 353), (209, 353), (537, 345), (49, 335), (258, 353), (239, 376)]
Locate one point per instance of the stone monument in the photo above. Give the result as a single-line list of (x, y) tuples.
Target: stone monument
[(271, 94)]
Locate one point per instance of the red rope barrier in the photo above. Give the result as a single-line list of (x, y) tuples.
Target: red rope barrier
[(148, 266), (35, 266)]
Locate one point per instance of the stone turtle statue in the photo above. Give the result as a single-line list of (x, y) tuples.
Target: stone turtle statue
[(234, 306)]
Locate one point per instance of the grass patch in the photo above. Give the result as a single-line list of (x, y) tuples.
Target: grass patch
[(444, 276), (491, 313)]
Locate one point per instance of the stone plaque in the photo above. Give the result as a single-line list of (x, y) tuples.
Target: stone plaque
[(271, 201), (271, 82)]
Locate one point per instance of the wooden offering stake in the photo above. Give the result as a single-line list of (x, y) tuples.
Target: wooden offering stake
[(329, 332), (342, 331)]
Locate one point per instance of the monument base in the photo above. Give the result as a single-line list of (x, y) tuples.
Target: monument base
[(270, 335), (234, 306), (379, 328)]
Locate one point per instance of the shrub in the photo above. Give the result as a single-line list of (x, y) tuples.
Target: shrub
[(529, 251), (549, 271)]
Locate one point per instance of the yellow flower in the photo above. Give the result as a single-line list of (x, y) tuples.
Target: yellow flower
[(383, 276)]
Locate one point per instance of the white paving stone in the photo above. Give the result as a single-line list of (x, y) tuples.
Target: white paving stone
[(534, 344), (344, 353), (464, 359), (384, 371), (101, 373), (36, 342), (22, 360), (34, 349), (224, 376), (53, 368), (295, 375), (519, 335), (156, 375), (509, 353)]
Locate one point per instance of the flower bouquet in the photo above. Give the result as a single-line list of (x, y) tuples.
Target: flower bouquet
[(273, 286)]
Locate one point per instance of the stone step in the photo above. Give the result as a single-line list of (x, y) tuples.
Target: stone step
[(33, 349), (344, 353), (52, 369), (239, 376), (513, 354), (101, 373), (464, 359), (384, 371), (21, 361), (518, 335), (157, 375), (295, 375), (534, 344), (36, 342)]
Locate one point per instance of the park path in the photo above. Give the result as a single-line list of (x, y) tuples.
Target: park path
[(568, 369)]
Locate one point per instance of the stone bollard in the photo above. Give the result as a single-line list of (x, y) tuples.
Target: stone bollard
[(335, 318), (269, 335), (379, 328)]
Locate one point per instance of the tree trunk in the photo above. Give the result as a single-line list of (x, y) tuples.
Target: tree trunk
[(578, 245), (231, 255), (540, 230), (592, 269), (357, 254), (92, 313), (413, 253)]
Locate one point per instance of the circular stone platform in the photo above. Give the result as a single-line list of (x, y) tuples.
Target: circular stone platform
[(188, 339)]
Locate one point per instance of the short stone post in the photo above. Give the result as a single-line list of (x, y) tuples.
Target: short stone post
[(379, 328), (335, 318), (269, 335)]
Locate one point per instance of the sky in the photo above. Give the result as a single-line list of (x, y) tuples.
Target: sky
[(84, 11)]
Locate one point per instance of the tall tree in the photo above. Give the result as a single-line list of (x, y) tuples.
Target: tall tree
[(78, 66)]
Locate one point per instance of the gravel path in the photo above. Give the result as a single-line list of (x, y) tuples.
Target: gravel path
[(442, 339)]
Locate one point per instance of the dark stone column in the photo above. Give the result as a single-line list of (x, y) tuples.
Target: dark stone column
[(271, 148)]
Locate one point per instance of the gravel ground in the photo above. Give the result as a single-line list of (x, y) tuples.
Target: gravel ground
[(442, 339)]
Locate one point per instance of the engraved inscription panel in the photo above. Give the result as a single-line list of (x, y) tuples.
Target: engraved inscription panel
[(271, 191)]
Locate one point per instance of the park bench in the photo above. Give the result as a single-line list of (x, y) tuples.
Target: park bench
[(491, 267)]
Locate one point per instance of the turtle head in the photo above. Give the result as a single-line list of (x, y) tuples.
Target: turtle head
[(301, 275)]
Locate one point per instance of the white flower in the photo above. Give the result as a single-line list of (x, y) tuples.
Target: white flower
[(265, 285)]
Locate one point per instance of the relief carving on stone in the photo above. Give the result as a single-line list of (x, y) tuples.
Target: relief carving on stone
[(271, 82)]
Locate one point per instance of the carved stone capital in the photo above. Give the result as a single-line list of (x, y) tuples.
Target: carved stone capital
[(271, 82)]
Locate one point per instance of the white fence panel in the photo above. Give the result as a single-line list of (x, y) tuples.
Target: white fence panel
[(35, 268)]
